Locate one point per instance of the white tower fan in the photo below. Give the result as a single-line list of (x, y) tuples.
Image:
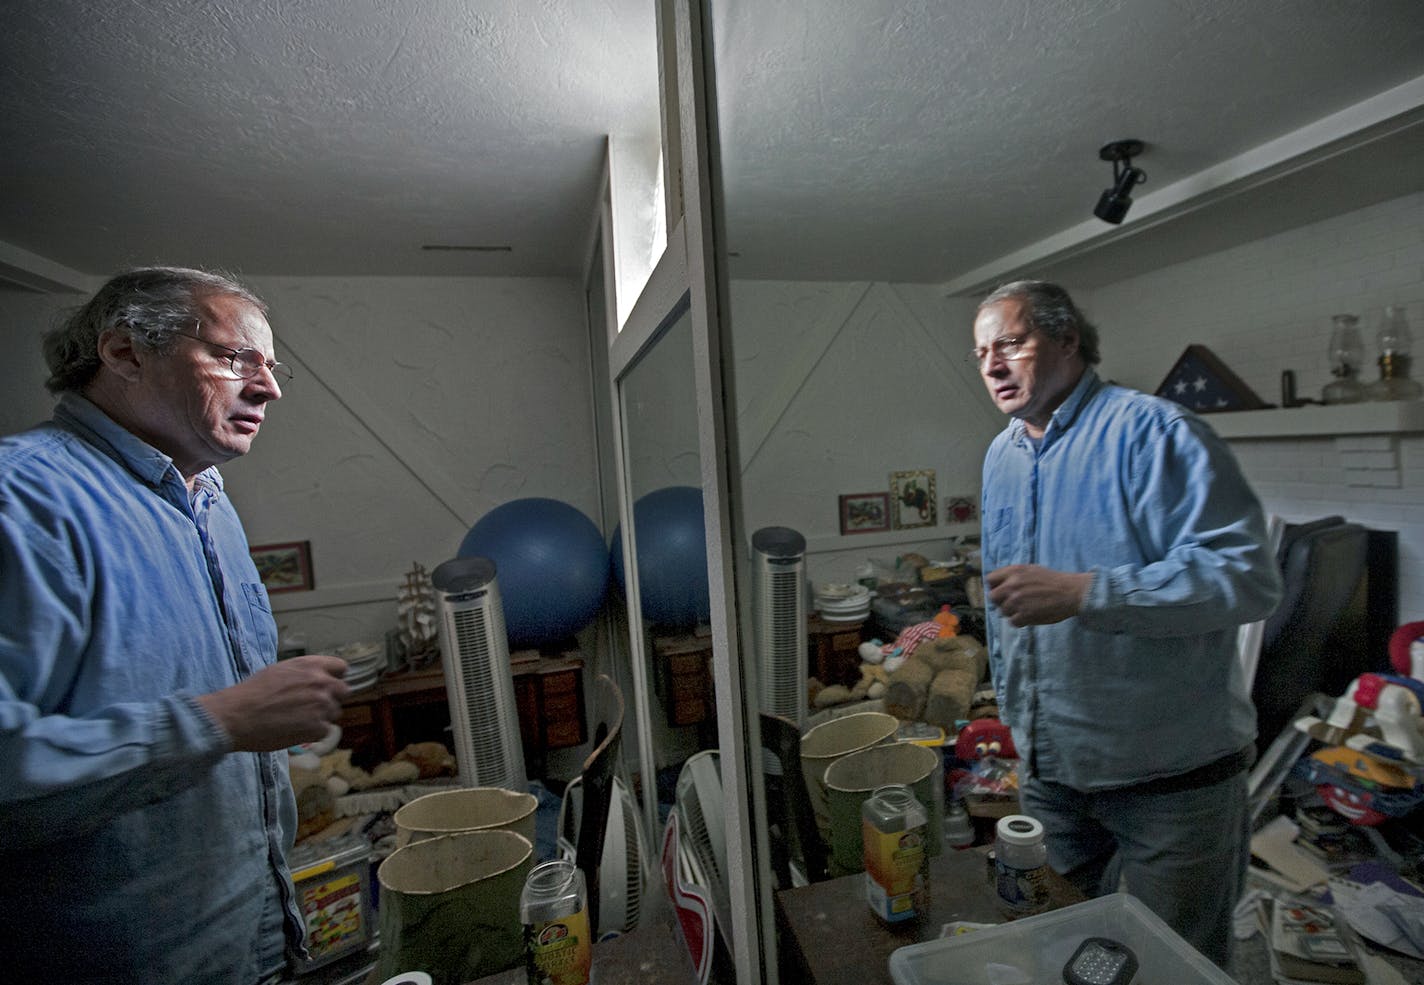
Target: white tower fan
[(779, 621), (624, 870), (484, 719)]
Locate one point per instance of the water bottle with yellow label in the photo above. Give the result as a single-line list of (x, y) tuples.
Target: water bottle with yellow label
[(558, 945)]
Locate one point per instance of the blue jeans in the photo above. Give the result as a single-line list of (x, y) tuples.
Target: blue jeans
[(271, 941), (1184, 854)]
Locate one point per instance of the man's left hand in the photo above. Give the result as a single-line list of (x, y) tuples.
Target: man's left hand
[(1032, 595)]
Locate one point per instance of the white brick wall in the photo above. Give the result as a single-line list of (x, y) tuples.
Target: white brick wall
[(1264, 307)]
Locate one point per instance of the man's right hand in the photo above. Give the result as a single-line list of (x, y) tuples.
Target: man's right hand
[(282, 705), (1032, 595)]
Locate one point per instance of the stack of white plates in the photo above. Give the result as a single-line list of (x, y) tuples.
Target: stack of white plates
[(843, 603), (364, 662)]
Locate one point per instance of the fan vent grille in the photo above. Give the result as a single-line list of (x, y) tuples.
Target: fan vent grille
[(780, 621), (484, 718), (633, 882)]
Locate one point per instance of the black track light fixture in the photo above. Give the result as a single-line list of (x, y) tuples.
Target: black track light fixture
[(1115, 201)]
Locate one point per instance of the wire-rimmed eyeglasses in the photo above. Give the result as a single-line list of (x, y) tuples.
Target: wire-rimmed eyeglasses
[(246, 362), (1004, 347)]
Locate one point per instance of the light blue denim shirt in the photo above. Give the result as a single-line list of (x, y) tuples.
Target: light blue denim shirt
[(134, 845), (1145, 681)]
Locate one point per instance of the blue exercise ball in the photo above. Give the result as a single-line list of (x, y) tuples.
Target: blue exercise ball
[(672, 557), (551, 565)]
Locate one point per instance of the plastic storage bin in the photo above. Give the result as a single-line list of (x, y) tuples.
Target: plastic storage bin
[(333, 883), (1034, 950)]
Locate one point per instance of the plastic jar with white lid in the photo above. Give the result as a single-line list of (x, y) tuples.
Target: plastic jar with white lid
[(1020, 866)]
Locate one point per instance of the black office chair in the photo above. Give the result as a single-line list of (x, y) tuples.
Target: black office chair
[(788, 805), (1316, 640)]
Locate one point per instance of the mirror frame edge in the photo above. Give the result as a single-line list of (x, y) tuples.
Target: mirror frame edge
[(739, 740)]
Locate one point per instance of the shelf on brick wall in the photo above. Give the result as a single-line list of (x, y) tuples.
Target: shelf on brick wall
[(1311, 421)]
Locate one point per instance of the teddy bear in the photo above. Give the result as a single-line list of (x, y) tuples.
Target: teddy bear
[(937, 681), (873, 679), (431, 758)]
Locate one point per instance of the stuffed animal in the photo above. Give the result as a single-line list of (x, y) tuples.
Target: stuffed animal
[(831, 694), (1380, 714), (936, 683), (985, 737), (431, 759), (1373, 766), (984, 761), (945, 624), (308, 755), (873, 678)]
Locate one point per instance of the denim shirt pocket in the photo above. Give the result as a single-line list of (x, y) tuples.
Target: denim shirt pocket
[(997, 534), (257, 627)]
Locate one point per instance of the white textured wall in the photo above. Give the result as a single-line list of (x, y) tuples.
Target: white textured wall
[(1264, 307), (418, 405), (24, 318), (837, 386)]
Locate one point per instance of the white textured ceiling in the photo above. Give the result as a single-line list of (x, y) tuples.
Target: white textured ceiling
[(316, 136), (891, 139), (919, 140)]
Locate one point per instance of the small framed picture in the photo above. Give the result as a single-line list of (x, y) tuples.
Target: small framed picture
[(284, 567), (912, 496), (961, 509), (865, 513)]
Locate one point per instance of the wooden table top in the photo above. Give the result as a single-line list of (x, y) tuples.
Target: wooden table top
[(829, 935), (654, 951)]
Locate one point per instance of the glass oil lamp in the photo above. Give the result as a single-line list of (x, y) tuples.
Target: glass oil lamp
[(1346, 352), (1394, 341)]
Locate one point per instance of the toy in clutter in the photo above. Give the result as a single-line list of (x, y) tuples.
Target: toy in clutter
[(432, 759), (873, 678), (307, 755), (1373, 768), (921, 734), (985, 761), (944, 625), (985, 737), (329, 788), (988, 777), (936, 683), (948, 621), (1363, 790), (1380, 713)]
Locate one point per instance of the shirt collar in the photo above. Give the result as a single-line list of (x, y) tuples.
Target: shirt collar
[(147, 463), (1066, 412)]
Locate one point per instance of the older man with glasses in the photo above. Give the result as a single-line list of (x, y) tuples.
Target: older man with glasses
[(1123, 548), (144, 800)]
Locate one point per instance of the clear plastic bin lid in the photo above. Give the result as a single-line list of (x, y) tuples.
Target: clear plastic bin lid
[(1034, 950)]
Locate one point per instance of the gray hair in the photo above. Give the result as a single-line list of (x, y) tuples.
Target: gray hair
[(150, 305), (1048, 308)]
